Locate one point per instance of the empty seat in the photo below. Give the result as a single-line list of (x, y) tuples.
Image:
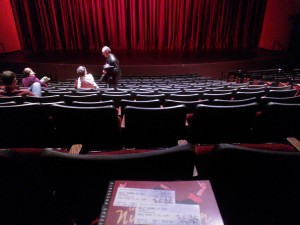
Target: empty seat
[(191, 105), (143, 97), (278, 88), (115, 92), (200, 92), (7, 103), (237, 85), (143, 91), (243, 95), (60, 93), (184, 97), (43, 99), (17, 99), (25, 125), (234, 170), (87, 92), (265, 100), (155, 103), (26, 192), (281, 93), (116, 97), (233, 102), (194, 89), (81, 181), (92, 104), (252, 89), (262, 86), (214, 87), (169, 92), (211, 97), (154, 127), (95, 127), (277, 122), (222, 91), (68, 99), (217, 124)]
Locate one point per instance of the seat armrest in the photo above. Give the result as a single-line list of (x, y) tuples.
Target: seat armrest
[(75, 149), (295, 142)]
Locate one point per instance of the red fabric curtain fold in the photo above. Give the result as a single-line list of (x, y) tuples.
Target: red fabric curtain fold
[(138, 24)]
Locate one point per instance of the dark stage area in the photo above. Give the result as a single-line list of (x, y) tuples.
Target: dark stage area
[(214, 63)]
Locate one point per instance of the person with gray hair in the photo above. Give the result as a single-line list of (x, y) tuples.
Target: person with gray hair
[(111, 70), (85, 80)]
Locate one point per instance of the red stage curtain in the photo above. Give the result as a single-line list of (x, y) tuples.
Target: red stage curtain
[(139, 24)]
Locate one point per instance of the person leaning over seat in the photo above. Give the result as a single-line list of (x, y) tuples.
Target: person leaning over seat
[(10, 86), (32, 82), (85, 80)]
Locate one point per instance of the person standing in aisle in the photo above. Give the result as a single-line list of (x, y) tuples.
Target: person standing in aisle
[(111, 70)]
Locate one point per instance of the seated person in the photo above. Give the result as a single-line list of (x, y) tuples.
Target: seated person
[(32, 82), (11, 88), (85, 80)]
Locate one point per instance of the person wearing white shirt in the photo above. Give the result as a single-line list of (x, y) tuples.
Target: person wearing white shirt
[(85, 80)]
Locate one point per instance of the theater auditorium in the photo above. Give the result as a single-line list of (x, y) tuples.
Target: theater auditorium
[(94, 91)]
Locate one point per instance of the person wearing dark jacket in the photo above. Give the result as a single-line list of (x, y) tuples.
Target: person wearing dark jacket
[(111, 70)]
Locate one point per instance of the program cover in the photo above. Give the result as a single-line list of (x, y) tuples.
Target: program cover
[(160, 203)]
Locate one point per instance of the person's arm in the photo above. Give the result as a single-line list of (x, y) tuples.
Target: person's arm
[(27, 93), (31, 94), (113, 61), (76, 84), (39, 81)]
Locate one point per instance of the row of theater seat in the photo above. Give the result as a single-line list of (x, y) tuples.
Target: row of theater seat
[(180, 82), (101, 127), (176, 89), (192, 95), (276, 76), (163, 96), (252, 186)]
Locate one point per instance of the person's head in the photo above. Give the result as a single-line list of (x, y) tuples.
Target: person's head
[(106, 51), (81, 71), (28, 72), (8, 78)]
